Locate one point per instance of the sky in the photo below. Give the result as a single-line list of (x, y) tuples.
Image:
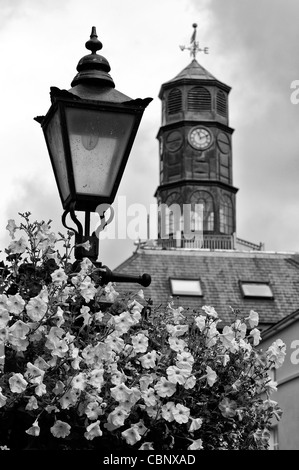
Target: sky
[(253, 48)]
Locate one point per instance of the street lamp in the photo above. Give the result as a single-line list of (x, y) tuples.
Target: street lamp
[(89, 132)]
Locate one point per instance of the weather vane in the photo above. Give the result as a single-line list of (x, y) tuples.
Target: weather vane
[(194, 47)]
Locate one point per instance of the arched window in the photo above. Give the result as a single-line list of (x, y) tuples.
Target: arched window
[(226, 215), (170, 215), (199, 99), (202, 203), (174, 101), (221, 103)]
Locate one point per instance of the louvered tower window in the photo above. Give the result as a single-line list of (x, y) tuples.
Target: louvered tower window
[(199, 99), (174, 101), (221, 103)]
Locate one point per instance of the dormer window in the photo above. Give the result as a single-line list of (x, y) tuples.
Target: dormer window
[(174, 101), (190, 287), (199, 99), (251, 289)]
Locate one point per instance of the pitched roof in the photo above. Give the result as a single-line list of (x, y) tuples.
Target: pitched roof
[(194, 71), (220, 273)]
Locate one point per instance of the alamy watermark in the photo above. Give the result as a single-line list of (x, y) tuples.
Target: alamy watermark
[(135, 221), (295, 94)]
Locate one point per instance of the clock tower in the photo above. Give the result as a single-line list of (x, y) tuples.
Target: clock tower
[(195, 152)]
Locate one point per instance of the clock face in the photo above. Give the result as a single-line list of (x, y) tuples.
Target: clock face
[(200, 138)]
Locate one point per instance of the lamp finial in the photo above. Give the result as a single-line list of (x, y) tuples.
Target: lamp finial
[(93, 44)]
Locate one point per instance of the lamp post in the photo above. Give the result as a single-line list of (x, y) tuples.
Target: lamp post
[(89, 132)]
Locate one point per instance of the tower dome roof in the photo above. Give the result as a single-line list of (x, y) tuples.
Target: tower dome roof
[(194, 71)]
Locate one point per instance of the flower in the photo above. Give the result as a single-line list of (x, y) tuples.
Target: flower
[(211, 376), (140, 293), (86, 245), (148, 360), (276, 353), (11, 227), (165, 388), (177, 330), (166, 411), (195, 424), (227, 407), (36, 308), (200, 322), (87, 289), (210, 311), (120, 392), (93, 410), (98, 316), (19, 330), (136, 309), (227, 336), (185, 360), (91, 377), (255, 333), (253, 319), (59, 276), (131, 435), (85, 315), (181, 413), (60, 429), (17, 383), (176, 344), (4, 317), (40, 389), (3, 301), (3, 399), (115, 342), (239, 328), (140, 342), (79, 381), (117, 417), (15, 304), (190, 382), (18, 246), (271, 386), (93, 430), (146, 446), (196, 445), (69, 399), (33, 374), (123, 322), (110, 293), (34, 430), (96, 378), (32, 404), (149, 397), (177, 375)]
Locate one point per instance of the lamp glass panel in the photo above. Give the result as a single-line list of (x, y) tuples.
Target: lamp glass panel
[(98, 140), (54, 139)]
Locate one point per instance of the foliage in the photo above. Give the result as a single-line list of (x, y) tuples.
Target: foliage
[(85, 369)]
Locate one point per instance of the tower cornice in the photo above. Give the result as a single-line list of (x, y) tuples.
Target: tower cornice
[(197, 183), (184, 123)]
